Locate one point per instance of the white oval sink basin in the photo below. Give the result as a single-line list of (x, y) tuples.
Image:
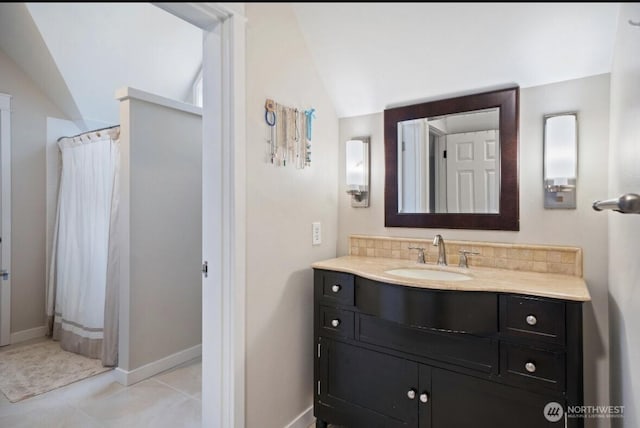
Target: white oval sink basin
[(435, 275)]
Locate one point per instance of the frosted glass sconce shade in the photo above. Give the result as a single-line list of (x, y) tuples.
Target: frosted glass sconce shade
[(560, 160), (357, 171)]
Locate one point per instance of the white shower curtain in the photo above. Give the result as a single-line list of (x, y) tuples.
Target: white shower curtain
[(81, 282)]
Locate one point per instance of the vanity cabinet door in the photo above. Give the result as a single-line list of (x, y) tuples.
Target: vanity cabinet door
[(360, 388), (465, 401), (425, 396)]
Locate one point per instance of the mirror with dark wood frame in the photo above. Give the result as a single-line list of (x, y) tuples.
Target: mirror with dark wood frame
[(437, 208)]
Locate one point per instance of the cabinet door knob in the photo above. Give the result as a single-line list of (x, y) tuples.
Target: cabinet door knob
[(335, 288), (411, 394), (532, 320), (424, 397), (530, 367), (335, 322)]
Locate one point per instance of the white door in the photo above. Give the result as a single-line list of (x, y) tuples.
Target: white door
[(414, 167), (623, 291), (223, 210), (5, 219), (473, 178)]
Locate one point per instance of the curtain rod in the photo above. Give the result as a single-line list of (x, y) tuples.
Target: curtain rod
[(89, 132)]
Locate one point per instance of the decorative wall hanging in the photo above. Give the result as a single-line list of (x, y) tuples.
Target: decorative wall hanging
[(288, 135)]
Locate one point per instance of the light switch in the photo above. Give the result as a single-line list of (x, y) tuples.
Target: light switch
[(316, 234)]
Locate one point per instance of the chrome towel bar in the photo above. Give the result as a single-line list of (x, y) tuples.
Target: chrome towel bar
[(629, 203)]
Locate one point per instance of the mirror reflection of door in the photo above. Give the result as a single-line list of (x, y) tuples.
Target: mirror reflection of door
[(414, 152), (450, 164), (472, 176), (422, 179)]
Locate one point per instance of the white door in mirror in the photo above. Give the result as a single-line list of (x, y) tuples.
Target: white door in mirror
[(472, 172)]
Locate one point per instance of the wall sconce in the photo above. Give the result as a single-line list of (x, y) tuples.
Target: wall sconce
[(357, 179), (560, 160)]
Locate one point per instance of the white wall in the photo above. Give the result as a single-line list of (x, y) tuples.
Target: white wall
[(161, 239), (482, 121), (624, 230), (21, 40), (582, 227), (30, 109), (282, 202), (98, 48)]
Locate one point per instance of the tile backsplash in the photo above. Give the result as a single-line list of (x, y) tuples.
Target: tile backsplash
[(524, 257)]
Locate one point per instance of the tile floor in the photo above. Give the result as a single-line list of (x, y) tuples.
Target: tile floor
[(172, 399)]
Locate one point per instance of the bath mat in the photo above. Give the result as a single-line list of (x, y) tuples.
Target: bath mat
[(31, 370)]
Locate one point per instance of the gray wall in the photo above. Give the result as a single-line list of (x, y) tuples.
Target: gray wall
[(282, 202), (582, 227), (21, 40), (30, 108), (161, 206), (624, 230)]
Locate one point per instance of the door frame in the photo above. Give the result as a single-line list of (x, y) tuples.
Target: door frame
[(5, 204), (224, 209)]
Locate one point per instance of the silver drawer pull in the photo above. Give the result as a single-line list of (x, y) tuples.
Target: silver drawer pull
[(424, 397), (335, 322), (411, 394), (335, 288), (530, 367), (532, 320)]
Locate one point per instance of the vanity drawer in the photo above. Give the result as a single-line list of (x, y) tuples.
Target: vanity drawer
[(533, 367), (334, 287), (478, 353), (335, 322), (455, 311), (533, 318)]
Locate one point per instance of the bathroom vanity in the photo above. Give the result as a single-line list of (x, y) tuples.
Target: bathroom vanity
[(491, 351)]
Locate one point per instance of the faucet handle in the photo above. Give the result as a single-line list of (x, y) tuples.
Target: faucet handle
[(464, 255), (420, 253)]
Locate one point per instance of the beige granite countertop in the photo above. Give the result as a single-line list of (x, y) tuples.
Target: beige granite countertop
[(565, 287)]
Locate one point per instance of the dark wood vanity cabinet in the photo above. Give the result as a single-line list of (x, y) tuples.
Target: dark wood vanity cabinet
[(395, 356)]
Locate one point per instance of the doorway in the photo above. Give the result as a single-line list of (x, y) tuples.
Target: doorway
[(223, 209), (5, 219)]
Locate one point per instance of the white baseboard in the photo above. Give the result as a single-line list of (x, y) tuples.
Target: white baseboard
[(127, 378), (32, 333), (304, 419)]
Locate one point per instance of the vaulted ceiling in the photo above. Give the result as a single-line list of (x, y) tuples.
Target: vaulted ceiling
[(369, 55), (80, 53), (374, 55)]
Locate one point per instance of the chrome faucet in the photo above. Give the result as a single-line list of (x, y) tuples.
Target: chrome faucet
[(438, 241), (420, 254), (464, 255)]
